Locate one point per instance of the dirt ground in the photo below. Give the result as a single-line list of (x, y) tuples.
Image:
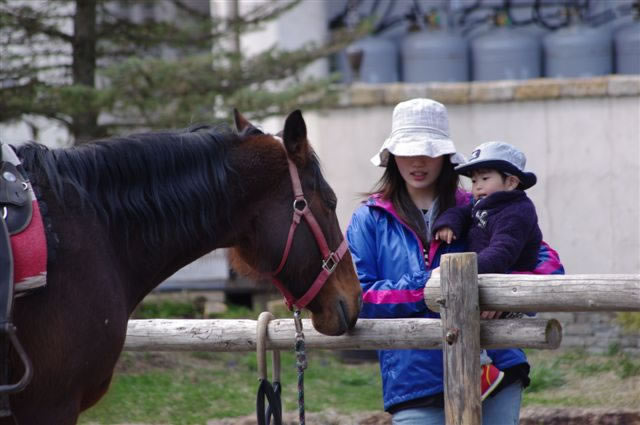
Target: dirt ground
[(529, 416)]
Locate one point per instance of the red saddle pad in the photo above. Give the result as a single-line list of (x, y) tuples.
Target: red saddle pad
[(30, 254)]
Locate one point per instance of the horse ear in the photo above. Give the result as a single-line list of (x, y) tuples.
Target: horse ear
[(295, 138), (241, 122)]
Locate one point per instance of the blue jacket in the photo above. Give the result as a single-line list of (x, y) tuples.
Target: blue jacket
[(392, 270)]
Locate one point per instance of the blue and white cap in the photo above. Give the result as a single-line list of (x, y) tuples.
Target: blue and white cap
[(499, 156)]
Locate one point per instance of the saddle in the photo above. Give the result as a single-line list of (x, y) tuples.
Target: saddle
[(16, 206), (15, 201)]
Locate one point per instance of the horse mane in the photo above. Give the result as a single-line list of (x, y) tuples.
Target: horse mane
[(148, 182)]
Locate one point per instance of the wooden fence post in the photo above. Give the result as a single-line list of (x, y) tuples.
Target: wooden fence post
[(461, 331)]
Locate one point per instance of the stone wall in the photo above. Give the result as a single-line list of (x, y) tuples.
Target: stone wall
[(595, 332), (544, 89)]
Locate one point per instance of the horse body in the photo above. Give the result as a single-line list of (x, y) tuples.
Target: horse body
[(124, 215)]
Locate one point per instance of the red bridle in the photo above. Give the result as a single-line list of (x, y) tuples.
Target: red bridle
[(330, 259)]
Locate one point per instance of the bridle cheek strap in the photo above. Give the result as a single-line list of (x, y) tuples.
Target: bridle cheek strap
[(330, 259)]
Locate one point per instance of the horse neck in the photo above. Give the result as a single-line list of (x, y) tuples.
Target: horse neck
[(257, 171)]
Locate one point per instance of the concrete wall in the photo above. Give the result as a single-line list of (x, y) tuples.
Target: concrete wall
[(581, 138)]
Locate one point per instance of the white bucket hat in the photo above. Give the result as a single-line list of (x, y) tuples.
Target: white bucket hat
[(418, 127), (499, 156)]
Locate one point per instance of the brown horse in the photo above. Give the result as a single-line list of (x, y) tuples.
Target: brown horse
[(124, 214)]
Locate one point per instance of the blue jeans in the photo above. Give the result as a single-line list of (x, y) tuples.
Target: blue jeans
[(502, 409)]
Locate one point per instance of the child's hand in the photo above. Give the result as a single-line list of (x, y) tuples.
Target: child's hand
[(446, 235)]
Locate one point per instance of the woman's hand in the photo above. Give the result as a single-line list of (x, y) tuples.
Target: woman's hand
[(446, 235)]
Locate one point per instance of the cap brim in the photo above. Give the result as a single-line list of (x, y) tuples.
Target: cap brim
[(527, 179)]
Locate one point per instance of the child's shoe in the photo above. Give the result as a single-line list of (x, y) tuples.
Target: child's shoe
[(490, 379)]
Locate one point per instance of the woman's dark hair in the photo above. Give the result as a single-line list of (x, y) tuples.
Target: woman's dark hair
[(392, 187)]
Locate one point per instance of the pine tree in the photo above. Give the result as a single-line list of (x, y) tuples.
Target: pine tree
[(93, 68)]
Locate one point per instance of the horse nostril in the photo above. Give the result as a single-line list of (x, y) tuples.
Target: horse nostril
[(348, 321), (344, 315)]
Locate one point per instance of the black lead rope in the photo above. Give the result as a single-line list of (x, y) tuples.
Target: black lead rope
[(267, 391), (277, 390), (274, 403)]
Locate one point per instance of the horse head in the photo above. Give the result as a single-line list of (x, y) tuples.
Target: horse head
[(308, 260)]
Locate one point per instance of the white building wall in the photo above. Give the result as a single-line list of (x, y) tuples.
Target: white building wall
[(305, 23), (49, 132), (585, 152)]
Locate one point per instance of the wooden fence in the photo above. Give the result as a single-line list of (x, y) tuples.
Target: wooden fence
[(459, 294)]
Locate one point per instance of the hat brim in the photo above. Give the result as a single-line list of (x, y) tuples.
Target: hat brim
[(527, 179), (416, 145)]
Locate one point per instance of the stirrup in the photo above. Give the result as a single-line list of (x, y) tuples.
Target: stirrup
[(10, 331)]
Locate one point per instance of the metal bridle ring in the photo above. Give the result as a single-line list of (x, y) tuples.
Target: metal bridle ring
[(331, 262), (295, 204)]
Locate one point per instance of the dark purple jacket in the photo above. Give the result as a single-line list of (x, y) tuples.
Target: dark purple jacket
[(502, 229)]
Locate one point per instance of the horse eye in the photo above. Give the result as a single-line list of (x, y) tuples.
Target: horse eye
[(332, 203)]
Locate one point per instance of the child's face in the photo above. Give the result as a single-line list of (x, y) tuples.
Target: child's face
[(487, 182)]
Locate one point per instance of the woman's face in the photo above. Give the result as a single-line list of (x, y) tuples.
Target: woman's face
[(419, 172)]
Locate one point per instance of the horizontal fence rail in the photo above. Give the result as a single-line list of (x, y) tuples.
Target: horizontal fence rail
[(541, 293), (459, 292), (368, 334)]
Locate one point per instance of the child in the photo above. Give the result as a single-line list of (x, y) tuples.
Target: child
[(500, 223)]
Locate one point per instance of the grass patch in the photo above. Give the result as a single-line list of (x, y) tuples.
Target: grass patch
[(591, 369), (168, 309), (544, 378), (628, 367), (576, 378), (236, 312), (630, 320), (193, 308), (191, 388), (552, 400)]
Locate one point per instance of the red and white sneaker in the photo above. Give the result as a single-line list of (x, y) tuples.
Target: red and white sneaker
[(490, 378)]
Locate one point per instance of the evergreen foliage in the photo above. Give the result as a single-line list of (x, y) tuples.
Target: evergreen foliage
[(102, 67)]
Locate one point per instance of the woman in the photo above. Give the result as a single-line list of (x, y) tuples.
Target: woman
[(390, 241)]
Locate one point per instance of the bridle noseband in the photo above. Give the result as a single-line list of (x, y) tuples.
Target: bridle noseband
[(330, 259)]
